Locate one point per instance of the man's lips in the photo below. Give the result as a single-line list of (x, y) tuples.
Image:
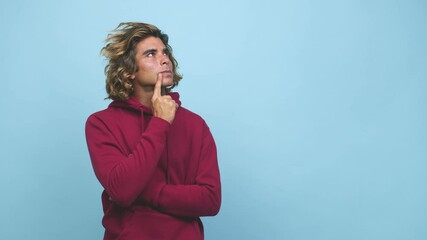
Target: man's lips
[(166, 72)]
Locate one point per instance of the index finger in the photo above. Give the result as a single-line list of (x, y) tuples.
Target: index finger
[(158, 87)]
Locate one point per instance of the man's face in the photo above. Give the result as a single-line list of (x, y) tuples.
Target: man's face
[(151, 59)]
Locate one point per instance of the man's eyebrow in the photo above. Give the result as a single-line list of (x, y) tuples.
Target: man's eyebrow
[(151, 50)]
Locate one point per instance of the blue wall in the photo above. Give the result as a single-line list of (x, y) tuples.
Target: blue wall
[(318, 109)]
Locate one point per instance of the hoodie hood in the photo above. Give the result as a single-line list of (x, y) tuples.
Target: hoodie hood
[(133, 103)]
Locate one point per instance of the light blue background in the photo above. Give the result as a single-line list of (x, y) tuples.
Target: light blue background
[(318, 109)]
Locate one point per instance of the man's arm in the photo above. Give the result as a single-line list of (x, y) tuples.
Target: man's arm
[(125, 177)]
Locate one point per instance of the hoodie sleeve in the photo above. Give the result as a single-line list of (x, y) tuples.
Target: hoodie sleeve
[(124, 177), (203, 198)]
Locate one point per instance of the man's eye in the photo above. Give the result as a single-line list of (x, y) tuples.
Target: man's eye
[(150, 54)]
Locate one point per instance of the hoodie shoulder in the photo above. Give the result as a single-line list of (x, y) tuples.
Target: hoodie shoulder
[(187, 117), (113, 112)]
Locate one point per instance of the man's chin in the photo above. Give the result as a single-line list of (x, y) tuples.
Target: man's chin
[(167, 83)]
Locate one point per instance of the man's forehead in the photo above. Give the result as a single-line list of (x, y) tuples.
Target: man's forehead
[(151, 43)]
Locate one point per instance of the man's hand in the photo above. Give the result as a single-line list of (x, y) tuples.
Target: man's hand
[(164, 107)]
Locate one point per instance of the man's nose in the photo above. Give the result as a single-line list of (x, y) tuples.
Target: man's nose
[(164, 60)]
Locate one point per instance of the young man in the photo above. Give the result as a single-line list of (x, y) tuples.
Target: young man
[(156, 160)]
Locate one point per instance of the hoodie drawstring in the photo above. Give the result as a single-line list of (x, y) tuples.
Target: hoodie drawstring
[(166, 146), (167, 159)]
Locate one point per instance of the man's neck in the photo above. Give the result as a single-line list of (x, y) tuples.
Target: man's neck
[(145, 94), (146, 101)]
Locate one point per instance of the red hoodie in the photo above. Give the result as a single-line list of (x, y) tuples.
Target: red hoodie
[(158, 178)]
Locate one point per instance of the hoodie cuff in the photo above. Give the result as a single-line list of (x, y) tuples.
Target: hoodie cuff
[(155, 201), (160, 121)]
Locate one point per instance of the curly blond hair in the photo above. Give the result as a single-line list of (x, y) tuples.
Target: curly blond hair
[(120, 50)]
